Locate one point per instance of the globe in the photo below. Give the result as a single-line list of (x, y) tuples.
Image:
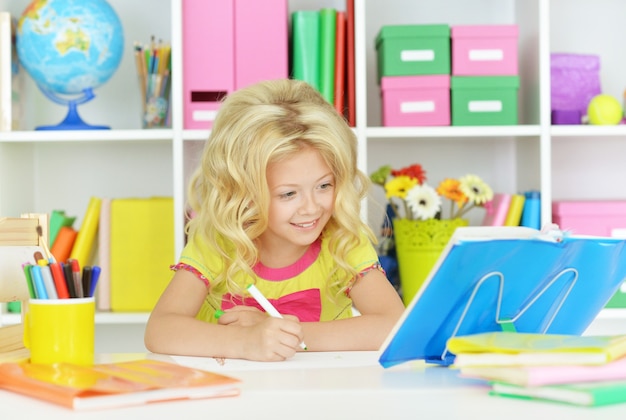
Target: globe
[(70, 47)]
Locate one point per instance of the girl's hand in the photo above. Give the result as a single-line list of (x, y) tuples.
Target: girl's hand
[(265, 338), (244, 316)]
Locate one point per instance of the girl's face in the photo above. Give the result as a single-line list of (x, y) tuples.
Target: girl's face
[(302, 199)]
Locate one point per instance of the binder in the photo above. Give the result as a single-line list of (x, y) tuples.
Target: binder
[(507, 278), (328, 28), (305, 46), (141, 252)]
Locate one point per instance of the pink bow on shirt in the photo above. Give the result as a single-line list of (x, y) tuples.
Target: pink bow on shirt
[(306, 305)]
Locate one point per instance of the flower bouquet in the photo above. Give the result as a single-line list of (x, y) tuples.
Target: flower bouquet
[(422, 222)]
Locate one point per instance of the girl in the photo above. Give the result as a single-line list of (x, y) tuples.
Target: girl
[(277, 201)]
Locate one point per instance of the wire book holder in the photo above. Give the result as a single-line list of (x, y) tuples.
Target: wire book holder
[(502, 278), (507, 322)]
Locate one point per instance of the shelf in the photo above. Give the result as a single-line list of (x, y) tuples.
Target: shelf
[(47, 136), (101, 318), (478, 131), (587, 130)]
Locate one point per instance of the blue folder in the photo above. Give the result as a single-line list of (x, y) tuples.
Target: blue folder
[(507, 278)]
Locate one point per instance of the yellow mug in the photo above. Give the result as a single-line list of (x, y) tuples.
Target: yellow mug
[(60, 330)]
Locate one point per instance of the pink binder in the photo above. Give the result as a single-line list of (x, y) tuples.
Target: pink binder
[(227, 45), (261, 41), (208, 59)]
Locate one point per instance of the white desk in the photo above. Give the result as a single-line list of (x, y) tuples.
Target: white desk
[(351, 386)]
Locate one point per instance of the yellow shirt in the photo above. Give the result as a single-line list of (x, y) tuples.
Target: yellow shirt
[(300, 289)]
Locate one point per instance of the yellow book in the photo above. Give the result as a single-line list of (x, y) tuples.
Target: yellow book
[(503, 348), (514, 215), (86, 237), (142, 250)]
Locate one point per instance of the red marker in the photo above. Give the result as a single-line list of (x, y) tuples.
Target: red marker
[(78, 283), (59, 280)]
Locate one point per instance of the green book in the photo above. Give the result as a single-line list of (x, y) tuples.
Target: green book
[(328, 30), (305, 46), (584, 394), (58, 219)]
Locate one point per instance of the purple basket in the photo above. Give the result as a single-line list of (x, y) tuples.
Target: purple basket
[(575, 79)]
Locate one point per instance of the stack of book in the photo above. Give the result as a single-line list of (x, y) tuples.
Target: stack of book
[(577, 370), (322, 54)]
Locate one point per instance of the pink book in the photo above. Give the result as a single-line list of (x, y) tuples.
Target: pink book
[(497, 210), (549, 375)]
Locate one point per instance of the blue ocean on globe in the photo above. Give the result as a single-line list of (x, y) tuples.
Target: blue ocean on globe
[(68, 46)]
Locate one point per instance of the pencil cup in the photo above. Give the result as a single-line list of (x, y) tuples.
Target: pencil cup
[(60, 330), (156, 104), (155, 113)]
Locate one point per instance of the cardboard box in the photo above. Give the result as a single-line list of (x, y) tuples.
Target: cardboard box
[(485, 50), (594, 217), (484, 100), (409, 50), (591, 217), (416, 100)]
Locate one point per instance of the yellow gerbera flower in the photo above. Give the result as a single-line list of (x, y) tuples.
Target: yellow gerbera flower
[(398, 186)]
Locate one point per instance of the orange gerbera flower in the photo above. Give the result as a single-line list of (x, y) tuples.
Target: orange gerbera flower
[(449, 188)]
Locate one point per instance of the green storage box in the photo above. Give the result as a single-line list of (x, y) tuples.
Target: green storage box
[(409, 50), (488, 100), (619, 298)]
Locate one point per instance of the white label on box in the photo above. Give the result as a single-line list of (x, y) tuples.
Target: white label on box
[(418, 106), (486, 55), (485, 106), (204, 115), (417, 55)]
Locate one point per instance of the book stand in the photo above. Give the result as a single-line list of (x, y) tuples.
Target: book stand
[(507, 278)]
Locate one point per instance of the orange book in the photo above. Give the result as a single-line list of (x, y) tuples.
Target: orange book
[(63, 244), (111, 385)]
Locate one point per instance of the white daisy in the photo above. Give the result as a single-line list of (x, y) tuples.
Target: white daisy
[(423, 201)]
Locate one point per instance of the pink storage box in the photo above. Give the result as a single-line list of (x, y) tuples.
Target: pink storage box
[(416, 100), (228, 45), (600, 218), (489, 50)]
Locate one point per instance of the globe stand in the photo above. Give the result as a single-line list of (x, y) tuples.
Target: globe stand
[(72, 120)]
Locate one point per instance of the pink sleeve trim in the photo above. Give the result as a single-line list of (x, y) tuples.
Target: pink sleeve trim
[(375, 266), (193, 270)]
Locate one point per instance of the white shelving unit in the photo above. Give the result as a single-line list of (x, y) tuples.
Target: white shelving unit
[(42, 171)]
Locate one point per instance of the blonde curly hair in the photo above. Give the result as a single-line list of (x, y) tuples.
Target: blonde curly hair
[(229, 195)]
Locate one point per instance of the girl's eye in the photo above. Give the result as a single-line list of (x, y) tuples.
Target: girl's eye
[(326, 186), (288, 194)]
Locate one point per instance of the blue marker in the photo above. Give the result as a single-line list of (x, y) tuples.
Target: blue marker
[(95, 275), (40, 287)]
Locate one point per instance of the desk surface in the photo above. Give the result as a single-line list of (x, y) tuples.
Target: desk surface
[(341, 385)]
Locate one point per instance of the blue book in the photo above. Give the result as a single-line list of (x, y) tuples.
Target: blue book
[(507, 278)]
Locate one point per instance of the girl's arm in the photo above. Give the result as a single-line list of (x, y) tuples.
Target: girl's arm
[(380, 307), (173, 329)]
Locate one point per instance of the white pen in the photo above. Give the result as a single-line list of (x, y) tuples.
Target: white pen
[(266, 305)]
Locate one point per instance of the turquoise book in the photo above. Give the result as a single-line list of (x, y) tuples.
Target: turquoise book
[(589, 394)]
